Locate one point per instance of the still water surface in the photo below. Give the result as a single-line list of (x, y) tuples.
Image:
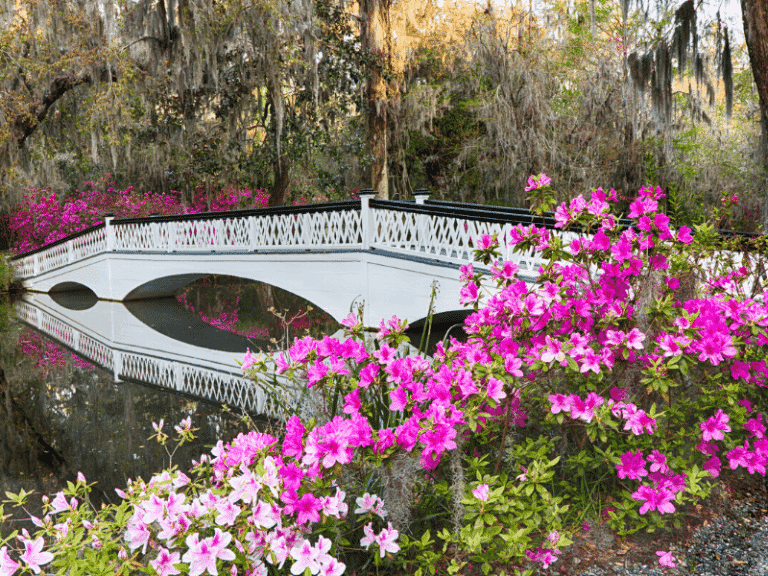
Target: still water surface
[(62, 410)]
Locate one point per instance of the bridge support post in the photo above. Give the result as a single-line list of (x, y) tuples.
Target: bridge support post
[(117, 364), (421, 195), (423, 233), (110, 231), (366, 216)]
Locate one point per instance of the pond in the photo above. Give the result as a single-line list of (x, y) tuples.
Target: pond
[(62, 410), (84, 381)]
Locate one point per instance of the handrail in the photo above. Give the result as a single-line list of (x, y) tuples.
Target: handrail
[(60, 241)]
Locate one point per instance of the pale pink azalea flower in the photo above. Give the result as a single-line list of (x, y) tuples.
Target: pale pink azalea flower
[(304, 556), (184, 426), (164, 563), (332, 568), (367, 503), (137, 535), (369, 536), (246, 486), (202, 555), (60, 503), (351, 321), (80, 478), (7, 564), (387, 541), (264, 515), (248, 360), (33, 555), (228, 513)]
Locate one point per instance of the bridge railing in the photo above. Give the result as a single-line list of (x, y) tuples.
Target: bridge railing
[(328, 225), (448, 231), (437, 230), (332, 224)]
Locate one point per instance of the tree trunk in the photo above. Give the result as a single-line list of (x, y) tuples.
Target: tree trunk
[(754, 13), (373, 20), (282, 180)]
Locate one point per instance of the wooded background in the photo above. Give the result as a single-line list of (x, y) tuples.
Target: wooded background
[(314, 98)]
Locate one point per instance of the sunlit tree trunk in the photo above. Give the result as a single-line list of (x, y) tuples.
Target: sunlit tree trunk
[(754, 13)]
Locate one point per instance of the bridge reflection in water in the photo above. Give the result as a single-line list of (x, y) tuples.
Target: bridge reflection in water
[(160, 344)]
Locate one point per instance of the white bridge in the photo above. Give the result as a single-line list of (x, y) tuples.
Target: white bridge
[(384, 254)]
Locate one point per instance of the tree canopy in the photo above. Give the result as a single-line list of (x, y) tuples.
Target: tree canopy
[(313, 98)]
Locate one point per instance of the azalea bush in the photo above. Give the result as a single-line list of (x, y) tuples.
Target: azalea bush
[(629, 339), (43, 217)]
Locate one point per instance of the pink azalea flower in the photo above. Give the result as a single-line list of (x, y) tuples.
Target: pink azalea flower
[(666, 558), (654, 499), (560, 403), (739, 456), (468, 294), (537, 182), (632, 466), (316, 372), (684, 235), (714, 427), (495, 389), (658, 462), (712, 466), (482, 492)]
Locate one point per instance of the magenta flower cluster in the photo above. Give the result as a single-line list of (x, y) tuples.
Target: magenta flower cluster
[(43, 217)]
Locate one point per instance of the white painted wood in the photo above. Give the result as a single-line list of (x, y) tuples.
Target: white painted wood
[(387, 258)]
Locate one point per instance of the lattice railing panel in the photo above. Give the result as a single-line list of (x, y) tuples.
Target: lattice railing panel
[(147, 369), (222, 388), (59, 330), (96, 351), (443, 238), (89, 244), (76, 340), (53, 258), (137, 236), (24, 268)]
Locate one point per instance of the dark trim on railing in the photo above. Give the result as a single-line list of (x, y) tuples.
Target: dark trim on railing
[(468, 211), (60, 241), (274, 210)]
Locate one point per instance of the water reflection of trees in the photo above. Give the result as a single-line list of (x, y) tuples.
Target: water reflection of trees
[(243, 306)]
